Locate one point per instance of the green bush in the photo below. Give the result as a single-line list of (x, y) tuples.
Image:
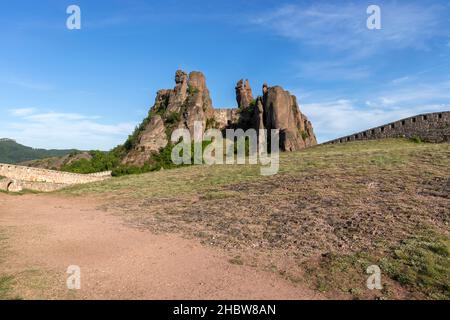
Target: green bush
[(158, 161), (173, 118), (192, 90), (101, 161)]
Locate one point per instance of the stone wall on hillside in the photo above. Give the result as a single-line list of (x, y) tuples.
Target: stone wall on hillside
[(226, 117), (430, 127)]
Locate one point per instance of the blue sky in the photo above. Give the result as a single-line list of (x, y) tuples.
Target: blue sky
[(89, 88)]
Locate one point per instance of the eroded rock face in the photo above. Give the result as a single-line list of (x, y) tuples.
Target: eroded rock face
[(198, 104), (190, 101), (180, 107), (281, 111), (178, 95), (150, 141), (244, 95), (275, 109)]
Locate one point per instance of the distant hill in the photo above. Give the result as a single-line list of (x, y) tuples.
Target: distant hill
[(13, 152)]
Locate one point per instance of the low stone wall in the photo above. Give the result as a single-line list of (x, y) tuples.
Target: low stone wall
[(430, 127), (52, 176), (18, 178), (4, 184)]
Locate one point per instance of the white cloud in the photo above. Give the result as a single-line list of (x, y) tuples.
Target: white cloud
[(22, 111), (401, 80), (27, 84), (342, 27), (333, 118), (335, 70), (63, 130)]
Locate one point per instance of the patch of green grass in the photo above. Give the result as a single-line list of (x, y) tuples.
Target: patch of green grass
[(6, 281), (215, 195), (422, 263), (21, 193), (304, 134), (236, 260), (192, 90), (343, 273)]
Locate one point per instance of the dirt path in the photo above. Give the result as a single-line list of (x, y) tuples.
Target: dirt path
[(48, 233)]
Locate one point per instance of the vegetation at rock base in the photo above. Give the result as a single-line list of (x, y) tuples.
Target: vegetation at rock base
[(111, 161), (101, 161), (131, 141)]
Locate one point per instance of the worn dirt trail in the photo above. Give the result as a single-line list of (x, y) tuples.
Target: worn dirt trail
[(48, 233)]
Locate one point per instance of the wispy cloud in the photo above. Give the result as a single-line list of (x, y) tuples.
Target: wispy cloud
[(342, 26), (333, 118), (22, 111), (332, 70), (63, 130), (27, 84), (401, 80)]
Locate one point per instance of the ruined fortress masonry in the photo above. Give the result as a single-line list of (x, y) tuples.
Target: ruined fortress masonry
[(429, 127), (18, 178)]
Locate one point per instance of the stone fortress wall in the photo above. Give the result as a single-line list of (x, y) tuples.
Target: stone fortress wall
[(225, 117), (21, 177), (430, 127)]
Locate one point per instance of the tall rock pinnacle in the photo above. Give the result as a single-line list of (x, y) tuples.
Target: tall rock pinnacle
[(180, 107), (244, 95)]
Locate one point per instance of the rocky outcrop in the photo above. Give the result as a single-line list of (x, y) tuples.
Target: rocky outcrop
[(180, 107), (189, 101), (150, 141), (244, 95), (281, 111), (275, 109), (198, 104)]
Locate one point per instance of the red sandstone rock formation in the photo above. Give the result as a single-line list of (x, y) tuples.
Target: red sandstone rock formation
[(189, 101), (244, 96), (281, 111), (180, 107)]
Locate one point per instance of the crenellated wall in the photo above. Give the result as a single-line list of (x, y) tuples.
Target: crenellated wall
[(430, 127), (43, 179)]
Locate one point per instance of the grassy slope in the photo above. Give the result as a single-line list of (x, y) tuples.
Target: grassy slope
[(331, 211)]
